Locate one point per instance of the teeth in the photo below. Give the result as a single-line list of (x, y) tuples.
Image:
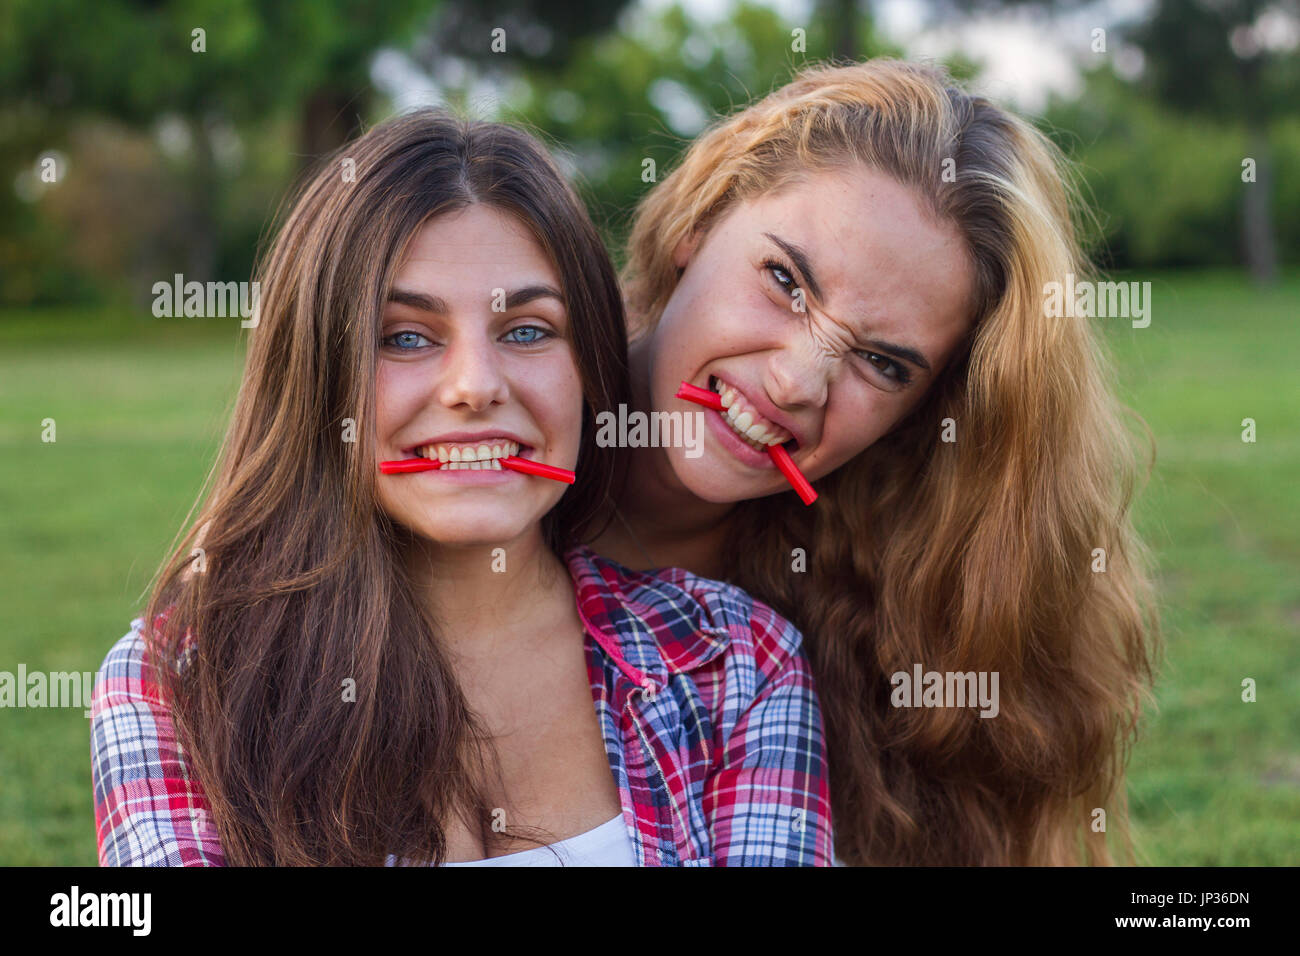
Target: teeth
[(466, 457), (492, 465), (746, 422)]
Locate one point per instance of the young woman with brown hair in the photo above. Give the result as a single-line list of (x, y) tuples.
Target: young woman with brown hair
[(365, 668)]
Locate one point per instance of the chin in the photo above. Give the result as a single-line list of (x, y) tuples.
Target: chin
[(712, 484), (468, 529), (475, 537)]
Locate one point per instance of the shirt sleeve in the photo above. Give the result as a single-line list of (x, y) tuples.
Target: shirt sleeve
[(149, 811), (768, 797)]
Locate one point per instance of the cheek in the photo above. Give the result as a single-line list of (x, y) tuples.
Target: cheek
[(552, 393), (703, 321), (854, 425), (399, 388)]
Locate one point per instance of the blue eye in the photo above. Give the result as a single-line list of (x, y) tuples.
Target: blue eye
[(541, 335), (405, 340)]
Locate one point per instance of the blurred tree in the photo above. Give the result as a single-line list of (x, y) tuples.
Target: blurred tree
[(211, 63), (240, 59), (1232, 61), (843, 19), (546, 33), (1166, 184), (208, 73), (624, 104)]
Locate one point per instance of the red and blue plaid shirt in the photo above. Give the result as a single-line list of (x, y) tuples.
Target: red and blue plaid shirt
[(706, 707)]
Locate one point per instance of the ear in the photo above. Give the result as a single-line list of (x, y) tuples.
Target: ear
[(685, 250)]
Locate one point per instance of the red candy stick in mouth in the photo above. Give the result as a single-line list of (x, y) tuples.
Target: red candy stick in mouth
[(780, 457), (527, 466), (700, 396), (530, 467), (405, 466)]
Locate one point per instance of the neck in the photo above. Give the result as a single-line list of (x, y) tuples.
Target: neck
[(661, 510), (488, 604)]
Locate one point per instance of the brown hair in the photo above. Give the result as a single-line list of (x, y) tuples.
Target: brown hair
[(973, 555), (304, 587)]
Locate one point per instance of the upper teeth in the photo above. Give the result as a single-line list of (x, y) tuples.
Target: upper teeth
[(470, 456), (745, 420)]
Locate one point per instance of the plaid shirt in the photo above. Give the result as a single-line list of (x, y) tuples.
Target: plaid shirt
[(705, 702)]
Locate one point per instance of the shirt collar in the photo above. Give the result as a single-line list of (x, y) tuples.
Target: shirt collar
[(650, 626)]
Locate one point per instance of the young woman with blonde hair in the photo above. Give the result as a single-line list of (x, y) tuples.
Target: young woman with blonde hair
[(857, 263)]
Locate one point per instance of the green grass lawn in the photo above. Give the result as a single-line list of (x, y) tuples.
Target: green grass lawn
[(1214, 780), (140, 405)]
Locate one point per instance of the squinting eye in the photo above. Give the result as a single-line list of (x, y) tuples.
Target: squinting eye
[(901, 375), (529, 339), (781, 274), (403, 340)]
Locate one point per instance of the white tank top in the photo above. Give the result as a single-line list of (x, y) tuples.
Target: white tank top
[(606, 845)]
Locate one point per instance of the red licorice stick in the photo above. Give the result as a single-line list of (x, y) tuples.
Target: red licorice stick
[(525, 465), (780, 457), (530, 467), (700, 396), (406, 465)]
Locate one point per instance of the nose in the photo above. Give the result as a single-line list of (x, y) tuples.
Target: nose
[(471, 374), (797, 374)]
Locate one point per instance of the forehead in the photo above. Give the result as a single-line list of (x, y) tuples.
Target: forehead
[(472, 247), (877, 251)]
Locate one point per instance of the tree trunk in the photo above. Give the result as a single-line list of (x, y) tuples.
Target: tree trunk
[(1256, 213), (842, 24), (329, 119), (202, 250)]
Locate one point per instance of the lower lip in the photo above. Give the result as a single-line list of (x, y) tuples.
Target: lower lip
[(740, 449)]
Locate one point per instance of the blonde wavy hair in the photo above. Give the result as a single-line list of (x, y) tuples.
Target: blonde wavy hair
[(973, 555)]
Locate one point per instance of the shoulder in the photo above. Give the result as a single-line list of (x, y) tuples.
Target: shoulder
[(695, 619), (127, 654), (149, 810), (125, 673), (760, 629), (128, 667), (127, 701)]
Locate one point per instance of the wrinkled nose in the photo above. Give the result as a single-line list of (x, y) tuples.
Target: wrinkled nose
[(798, 374)]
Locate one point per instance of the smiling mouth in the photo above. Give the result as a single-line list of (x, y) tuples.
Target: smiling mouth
[(743, 419), (471, 456)]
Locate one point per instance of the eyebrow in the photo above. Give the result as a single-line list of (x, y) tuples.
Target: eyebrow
[(800, 259), (899, 351), (438, 305)]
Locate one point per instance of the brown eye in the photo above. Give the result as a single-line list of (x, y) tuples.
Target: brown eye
[(900, 373)]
